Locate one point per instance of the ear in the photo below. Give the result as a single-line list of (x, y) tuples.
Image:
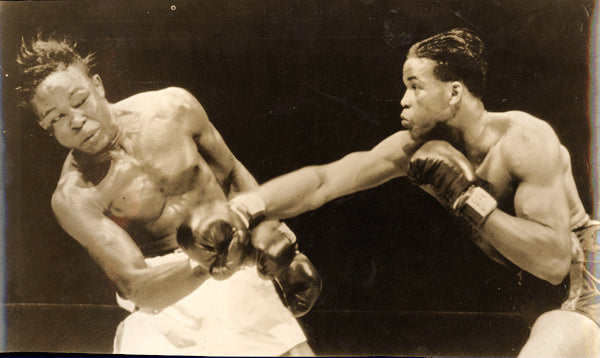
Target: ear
[(97, 83), (456, 92)]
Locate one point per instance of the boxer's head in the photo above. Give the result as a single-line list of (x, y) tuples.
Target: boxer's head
[(458, 55), (69, 102), (438, 73)]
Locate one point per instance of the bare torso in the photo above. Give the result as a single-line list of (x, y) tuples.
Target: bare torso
[(493, 167), (156, 175)]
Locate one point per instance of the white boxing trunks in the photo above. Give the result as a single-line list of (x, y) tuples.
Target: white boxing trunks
[(240, 316)]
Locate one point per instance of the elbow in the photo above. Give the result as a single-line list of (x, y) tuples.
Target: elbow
[(555, 256), (322, 193), (558, 267), (562, 268), (127, 289), (134, 291), (559, 271)]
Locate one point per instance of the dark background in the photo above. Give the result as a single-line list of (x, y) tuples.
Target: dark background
[(288, 84)]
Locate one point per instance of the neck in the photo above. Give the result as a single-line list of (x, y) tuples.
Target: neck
[(471, 132)]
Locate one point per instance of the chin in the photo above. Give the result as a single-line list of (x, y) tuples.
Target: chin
[(418, 136), (97, 146)]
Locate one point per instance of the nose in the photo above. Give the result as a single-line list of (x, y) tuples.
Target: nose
[(404, 102), (77, 120)]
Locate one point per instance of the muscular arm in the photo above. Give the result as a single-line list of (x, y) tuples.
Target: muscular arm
[(79, 211), (311, 187), (537, 238), (230, 172)]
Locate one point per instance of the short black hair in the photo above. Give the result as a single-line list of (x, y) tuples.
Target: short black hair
[(459, 56), (40, 57)]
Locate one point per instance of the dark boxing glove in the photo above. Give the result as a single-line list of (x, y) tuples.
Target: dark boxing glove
[(296, 280), (439, 166), (215, 240), (274, 242), (275, 246), (298, 285)]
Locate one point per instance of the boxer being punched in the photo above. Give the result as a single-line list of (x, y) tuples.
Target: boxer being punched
[(145, 176), (505, 174)]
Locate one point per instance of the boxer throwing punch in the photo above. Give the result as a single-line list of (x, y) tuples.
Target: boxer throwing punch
[(506, 174), (143, 179)]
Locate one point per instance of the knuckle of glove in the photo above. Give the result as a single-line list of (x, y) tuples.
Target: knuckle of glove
[(276, 246), (416, 170), (201, 253), (214, 243), (232, 257), (269, 265)]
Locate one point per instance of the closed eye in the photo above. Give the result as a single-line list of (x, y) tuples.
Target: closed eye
[(57, 118), (80, 103)]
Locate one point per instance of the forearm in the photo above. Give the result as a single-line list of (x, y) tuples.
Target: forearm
[(292, 194), (158, 287), (535, 248), (311, 187)]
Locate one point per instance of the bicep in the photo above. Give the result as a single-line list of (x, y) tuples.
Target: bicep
[(540, 194), (542, 201), (110, 246)]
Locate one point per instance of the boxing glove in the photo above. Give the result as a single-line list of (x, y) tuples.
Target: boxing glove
[(249, 207), (274, 242), (275, 246), (449, 174), (215, 240), (296, 280), (298, 285)]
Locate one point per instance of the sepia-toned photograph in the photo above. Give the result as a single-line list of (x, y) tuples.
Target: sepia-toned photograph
[(300, 178)]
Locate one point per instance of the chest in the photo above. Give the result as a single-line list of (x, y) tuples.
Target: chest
[(140, 180), (493, 169)]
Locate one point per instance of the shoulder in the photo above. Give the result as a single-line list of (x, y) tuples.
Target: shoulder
[(169, 105), (398, 148), (524, 130), (398, 144), (72, 191), (529, 144), (166, 99), (174, 97)]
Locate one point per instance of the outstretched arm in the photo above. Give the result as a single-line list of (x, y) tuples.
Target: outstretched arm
[(311, 187), (307, 188)]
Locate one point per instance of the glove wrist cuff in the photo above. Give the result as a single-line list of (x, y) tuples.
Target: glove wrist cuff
[(475, 205), (288, 235), (250, 208)]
